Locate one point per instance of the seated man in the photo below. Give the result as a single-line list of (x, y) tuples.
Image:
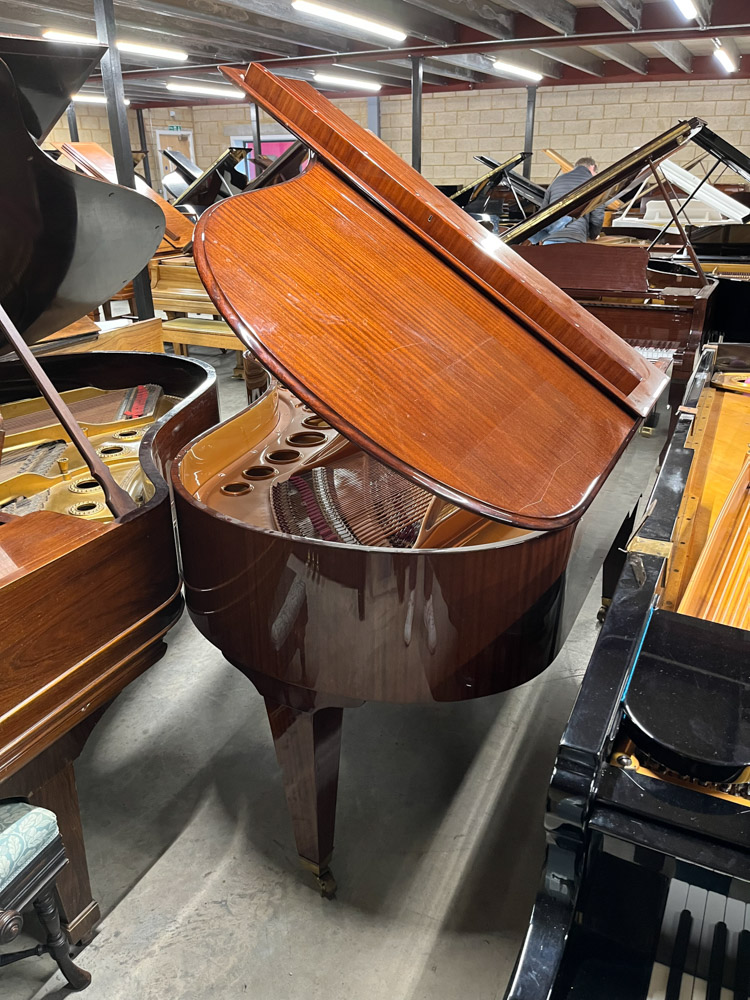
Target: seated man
[(568, 229)]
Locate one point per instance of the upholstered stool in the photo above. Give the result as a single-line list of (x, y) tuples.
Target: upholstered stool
[(31, 856)]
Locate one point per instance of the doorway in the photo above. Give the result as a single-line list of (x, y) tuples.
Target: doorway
[(181, 141)]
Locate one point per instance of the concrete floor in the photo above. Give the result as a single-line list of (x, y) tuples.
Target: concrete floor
[(439, 839)]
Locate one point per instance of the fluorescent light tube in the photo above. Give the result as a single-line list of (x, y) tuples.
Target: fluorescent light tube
[(205, 90), (687, 9), (355, 82), (353, 20), (511, 70), (722, 56), (91, 99), (177, 55), (69, 36)]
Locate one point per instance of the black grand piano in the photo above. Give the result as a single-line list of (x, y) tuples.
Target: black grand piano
[(646, 886)]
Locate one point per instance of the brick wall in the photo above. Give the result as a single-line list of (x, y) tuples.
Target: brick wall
[(603, 120), (93, 126)]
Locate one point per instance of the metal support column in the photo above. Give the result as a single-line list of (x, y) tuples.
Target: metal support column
[(416, 112), (255, 123), (528, 141), (117, 114), (72, 122), (144, 144), (373, 115)]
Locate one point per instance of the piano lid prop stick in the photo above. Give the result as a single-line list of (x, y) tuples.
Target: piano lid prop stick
[(688, 245), (118, 501)]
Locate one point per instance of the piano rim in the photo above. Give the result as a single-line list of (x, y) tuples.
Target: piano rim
[(146, 458), (184, 494)]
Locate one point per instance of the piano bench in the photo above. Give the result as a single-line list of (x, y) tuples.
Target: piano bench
[(31, 857), (196, 332)]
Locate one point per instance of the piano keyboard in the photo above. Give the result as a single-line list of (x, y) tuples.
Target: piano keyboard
[(704, 947), (656, 353)]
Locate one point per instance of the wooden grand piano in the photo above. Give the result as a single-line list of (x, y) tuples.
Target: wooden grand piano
[(709, 256), (645, 892), (416, 510), (666, 318), (88, 569)]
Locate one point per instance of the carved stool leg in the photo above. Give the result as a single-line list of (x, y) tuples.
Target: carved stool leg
[(46, 908), (79, 911), (307, 747)]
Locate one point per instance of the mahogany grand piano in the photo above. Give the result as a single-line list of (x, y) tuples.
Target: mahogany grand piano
[(416, 508), (88, 568)]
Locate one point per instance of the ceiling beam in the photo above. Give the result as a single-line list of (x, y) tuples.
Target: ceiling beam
[(486, 64), (412, 20), (627, 12), (559, 15), (677, 53), (625, 55), (486, 16), (436, 68), (173, 19), (227, 37), (575, 57), (498, 47)]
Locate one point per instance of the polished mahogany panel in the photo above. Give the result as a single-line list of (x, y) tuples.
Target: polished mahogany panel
[(404, 356), (84, 605), (380, 173)]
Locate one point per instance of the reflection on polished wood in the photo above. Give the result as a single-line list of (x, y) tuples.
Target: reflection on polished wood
[(371, 530), (98, 595), (664, 315)]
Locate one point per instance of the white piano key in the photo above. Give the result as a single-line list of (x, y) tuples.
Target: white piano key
[(675, 903), (716, 904), (657, 987), (734, 918), (696, 903)]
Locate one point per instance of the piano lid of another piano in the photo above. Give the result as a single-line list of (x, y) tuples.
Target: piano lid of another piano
[(94, 161)]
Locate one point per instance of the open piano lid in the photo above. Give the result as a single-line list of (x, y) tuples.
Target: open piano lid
[(603, 186), (46, 73), (67, 243), (416, 333), (724, 151)]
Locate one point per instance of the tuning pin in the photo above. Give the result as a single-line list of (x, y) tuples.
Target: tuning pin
[(63, 464)]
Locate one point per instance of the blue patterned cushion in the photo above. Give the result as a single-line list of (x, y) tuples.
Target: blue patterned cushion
[(25, 830)]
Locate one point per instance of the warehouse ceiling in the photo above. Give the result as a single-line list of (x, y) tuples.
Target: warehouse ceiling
[(565, 41)]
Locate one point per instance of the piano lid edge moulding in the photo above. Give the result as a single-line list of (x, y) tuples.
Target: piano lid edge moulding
[(382, 175), (432, 375)]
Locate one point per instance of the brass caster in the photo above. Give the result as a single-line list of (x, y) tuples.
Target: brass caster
[(326, 883)]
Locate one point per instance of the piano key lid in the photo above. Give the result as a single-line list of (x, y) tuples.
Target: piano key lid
[(414, 331)]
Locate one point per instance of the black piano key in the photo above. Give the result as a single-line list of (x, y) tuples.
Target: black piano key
[(679, 954), (716, 962), (742, 971)]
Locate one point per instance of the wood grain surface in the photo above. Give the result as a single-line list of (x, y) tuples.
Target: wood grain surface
[(404, 356), (375, 169)]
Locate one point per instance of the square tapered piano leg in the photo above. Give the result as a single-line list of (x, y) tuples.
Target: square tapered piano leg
[(308, 747)]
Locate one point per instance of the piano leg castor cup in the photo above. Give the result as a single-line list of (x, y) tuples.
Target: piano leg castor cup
[(323, 876), (602, 612), (326, 884)]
